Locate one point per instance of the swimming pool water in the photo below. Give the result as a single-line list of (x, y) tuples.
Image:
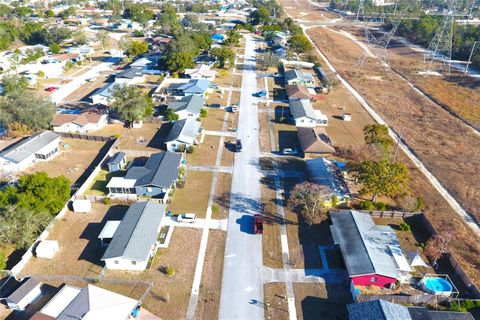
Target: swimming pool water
[(438, 285)]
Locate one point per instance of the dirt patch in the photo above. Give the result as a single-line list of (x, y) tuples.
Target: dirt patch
[(275, 301), (214, 120), (205, 153), (80, 250), (271, 246), (197, 184), (210, 287), (321, 301), (264, 133), (221, 205), (74, 158)]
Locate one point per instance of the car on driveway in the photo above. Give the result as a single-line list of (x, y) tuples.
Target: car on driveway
[(289, 152), (258, 224), (51, 89), (215, 105), (214, 86), (238, 145), (187, 218), (234, 108)]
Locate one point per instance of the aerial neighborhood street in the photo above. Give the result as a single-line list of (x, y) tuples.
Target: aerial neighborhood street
[(272, 159)]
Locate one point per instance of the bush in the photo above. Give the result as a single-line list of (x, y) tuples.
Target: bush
[(107, 200), (169, 271), (366, 205), (190, 149), (3, 261), (334, 201), (404, 226), (419, 204), (180, 184), (203, 113), (380, 206)]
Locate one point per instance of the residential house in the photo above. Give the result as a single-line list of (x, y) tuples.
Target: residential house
[(384, 310), (314, 141), (79, 123), (134, 242), (182, 134), (84, 50), (201, 71), (153, 179), (296, 92), (140, 63), (22, 154), (305, 116), (130, 76), (197, 86), (188, 106), (17, 295), (117, 161), (87, 303), (371, 252), (297, 77), (326, 173), (103, 95), (217, 38)]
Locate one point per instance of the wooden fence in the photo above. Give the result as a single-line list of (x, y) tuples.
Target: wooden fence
[(405, 299), (85, 137)]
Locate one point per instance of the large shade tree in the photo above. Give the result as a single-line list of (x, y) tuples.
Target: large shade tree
[(311, 201), (130, 103)]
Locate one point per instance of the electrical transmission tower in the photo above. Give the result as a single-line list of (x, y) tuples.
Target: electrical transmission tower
[(440, 47), (379, 42)]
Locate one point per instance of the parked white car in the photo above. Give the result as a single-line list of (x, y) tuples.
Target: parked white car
[(289, 151), (235, 108), (187, 218)]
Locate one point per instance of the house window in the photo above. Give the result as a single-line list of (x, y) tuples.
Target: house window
[(134, 263), (149, 189), (116, 261), (373, 279)]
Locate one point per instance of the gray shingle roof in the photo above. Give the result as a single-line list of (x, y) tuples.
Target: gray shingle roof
[(117, 158), (297, 74), (192, 104), (421, 313), (302, 108), (137, 232), (184, 130), (160, 170), (195, 86), (25, 148), (25, 288), (364, 245), (326, 173), (130, 73), (377, 310), (77, 308)]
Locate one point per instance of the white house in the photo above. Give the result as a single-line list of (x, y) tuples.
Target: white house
[(22, 154), (89, 303), (182, 134), (201, 71), (188, 106), (305, 116), (103, 95), (130, 76), (134, 242), (23, 293), (79, 123)]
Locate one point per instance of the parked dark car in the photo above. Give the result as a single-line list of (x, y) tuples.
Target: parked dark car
[(238, 145), (258, 224)]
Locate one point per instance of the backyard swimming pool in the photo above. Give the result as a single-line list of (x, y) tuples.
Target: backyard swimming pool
[(437, 286)]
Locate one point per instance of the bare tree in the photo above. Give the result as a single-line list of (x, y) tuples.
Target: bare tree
[(437, 246), (311, 201)]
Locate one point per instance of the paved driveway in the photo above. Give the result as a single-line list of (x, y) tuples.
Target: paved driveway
[(242, 283)]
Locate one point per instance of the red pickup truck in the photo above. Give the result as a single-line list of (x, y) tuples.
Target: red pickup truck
[(258, 224)]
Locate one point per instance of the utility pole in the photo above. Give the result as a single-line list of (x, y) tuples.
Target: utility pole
[(470, 57)]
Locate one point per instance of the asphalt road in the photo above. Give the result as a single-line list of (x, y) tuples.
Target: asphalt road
[(242, 282)]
